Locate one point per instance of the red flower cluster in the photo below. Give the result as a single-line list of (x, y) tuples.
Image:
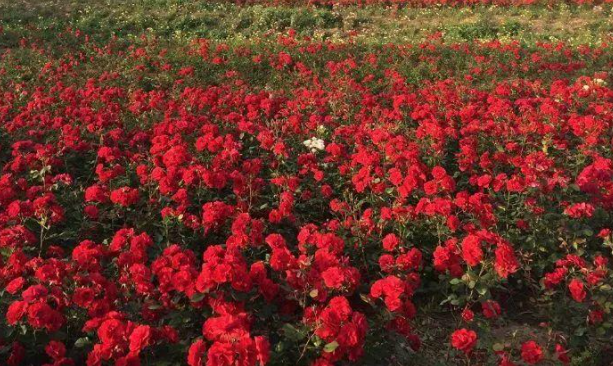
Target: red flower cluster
[(341, 328)]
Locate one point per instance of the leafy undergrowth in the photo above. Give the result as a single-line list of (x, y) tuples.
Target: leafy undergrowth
[(180, 21), (289, 199)]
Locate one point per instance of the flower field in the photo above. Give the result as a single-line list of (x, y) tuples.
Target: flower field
[(293, 198)]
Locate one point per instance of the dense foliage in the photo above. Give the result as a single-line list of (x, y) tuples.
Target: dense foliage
[(419, 2), (294, 201)]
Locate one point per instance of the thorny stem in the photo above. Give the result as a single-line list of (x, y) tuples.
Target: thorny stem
[(304, 349), (41, 239)]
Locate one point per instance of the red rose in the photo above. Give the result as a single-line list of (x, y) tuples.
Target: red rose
[(41, 315), (579, 210), (111, 331), (226, 327), (83, 296), (18, 354), (91, 212), (445, 258), (595, 316), (464, 340), (471, 250), (140, 338), (220, 354), (16, 311), (262, 347), (333, 277), (15, 285), (391, 288), (390, 242), (34, 293), (96, 193), (196, 353), (56, 350), (576, 290), (468, 315), (125, 196), (531, 352), (506, 262), (491, 309), (411, 260), (505, 361), (562, 354), (552, 279)]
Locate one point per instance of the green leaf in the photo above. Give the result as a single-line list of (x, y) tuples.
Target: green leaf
[(366, 299), (330, 347), (482, 290), (291, 333), (197, 297), (82, 342)]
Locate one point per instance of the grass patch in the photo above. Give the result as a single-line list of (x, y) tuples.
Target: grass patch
[(179, 19)]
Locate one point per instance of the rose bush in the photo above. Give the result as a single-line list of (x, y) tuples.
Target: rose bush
[(299, 202)]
